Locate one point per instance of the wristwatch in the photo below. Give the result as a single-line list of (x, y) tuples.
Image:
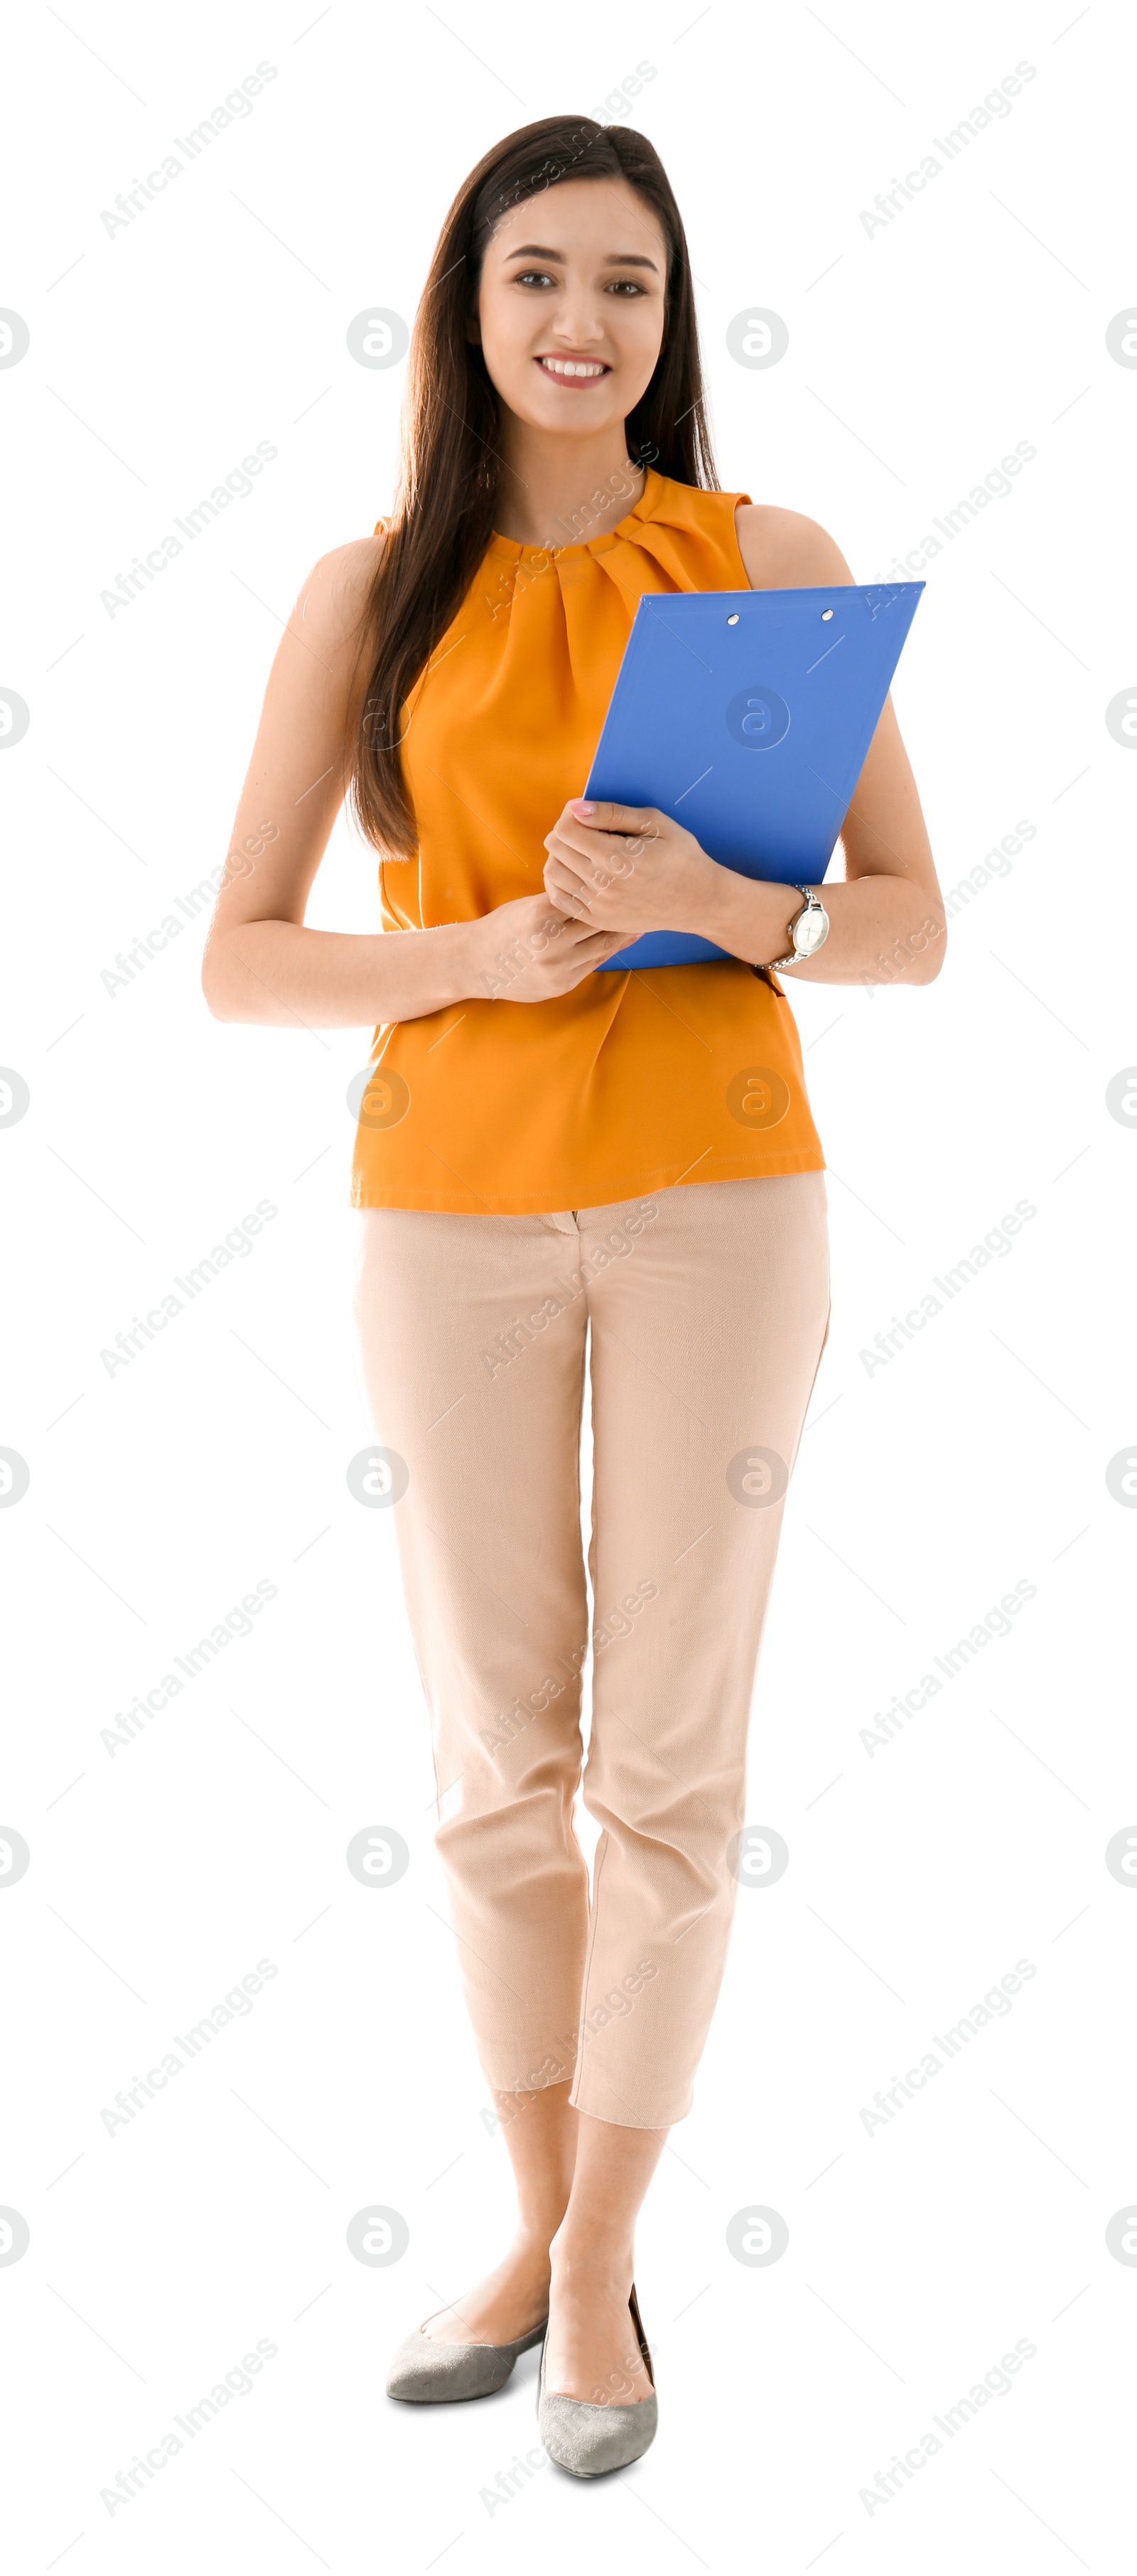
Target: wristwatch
[(809, 930)]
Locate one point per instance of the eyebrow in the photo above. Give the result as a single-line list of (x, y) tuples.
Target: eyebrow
[(613, 258)]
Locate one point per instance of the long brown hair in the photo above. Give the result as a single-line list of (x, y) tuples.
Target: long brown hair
[(444, 509)]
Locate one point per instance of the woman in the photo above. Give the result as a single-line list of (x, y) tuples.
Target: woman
[(543, 1150)]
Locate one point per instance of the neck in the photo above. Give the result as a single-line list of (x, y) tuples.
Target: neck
[(561, 491)]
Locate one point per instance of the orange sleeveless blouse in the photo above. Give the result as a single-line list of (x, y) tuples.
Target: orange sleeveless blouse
[(644, 1079)]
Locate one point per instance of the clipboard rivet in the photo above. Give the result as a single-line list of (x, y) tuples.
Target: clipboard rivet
[(733, 619), (826, 614)]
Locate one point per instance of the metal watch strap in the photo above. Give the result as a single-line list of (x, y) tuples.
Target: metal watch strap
[(809, 900)]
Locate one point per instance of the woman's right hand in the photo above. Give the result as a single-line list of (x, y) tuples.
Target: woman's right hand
[(262, 963), (527, 951)]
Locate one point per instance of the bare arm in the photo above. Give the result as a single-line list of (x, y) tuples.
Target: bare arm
[(261, 962), (886, 919)]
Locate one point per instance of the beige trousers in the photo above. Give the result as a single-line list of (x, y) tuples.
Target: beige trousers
[(708, 1307)]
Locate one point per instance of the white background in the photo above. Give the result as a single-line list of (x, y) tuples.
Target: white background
[(975, 1459)]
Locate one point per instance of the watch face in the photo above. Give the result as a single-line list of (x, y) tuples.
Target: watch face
[(810, 931)]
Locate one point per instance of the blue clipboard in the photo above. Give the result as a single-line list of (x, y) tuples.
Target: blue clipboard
[(747, 714)]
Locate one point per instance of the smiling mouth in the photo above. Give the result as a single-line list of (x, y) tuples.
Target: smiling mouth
[(574, 371)]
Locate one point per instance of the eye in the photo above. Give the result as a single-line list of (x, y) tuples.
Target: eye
[(625, 286), (533, 277)]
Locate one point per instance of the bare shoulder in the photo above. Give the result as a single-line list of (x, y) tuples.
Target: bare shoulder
[(783, 550), (333, 595)]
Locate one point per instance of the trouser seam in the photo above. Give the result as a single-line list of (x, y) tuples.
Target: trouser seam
[(597, 1872)]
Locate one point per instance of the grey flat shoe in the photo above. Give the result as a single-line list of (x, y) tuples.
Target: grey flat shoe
[(589, 2440), (427, 2373)]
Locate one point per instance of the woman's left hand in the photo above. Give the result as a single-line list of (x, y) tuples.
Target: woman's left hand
[(626, 867)]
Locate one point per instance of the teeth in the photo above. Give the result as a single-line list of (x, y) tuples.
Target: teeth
[(572, 367)]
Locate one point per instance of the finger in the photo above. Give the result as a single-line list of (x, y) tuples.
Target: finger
[(580, 855), (573, 916), (564, 887), (602, 817), (585, 935), (600, 944), (563, 931), (569, 901), (594, 861)]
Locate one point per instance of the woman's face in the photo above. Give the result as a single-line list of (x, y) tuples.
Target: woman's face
[(571, 305)]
